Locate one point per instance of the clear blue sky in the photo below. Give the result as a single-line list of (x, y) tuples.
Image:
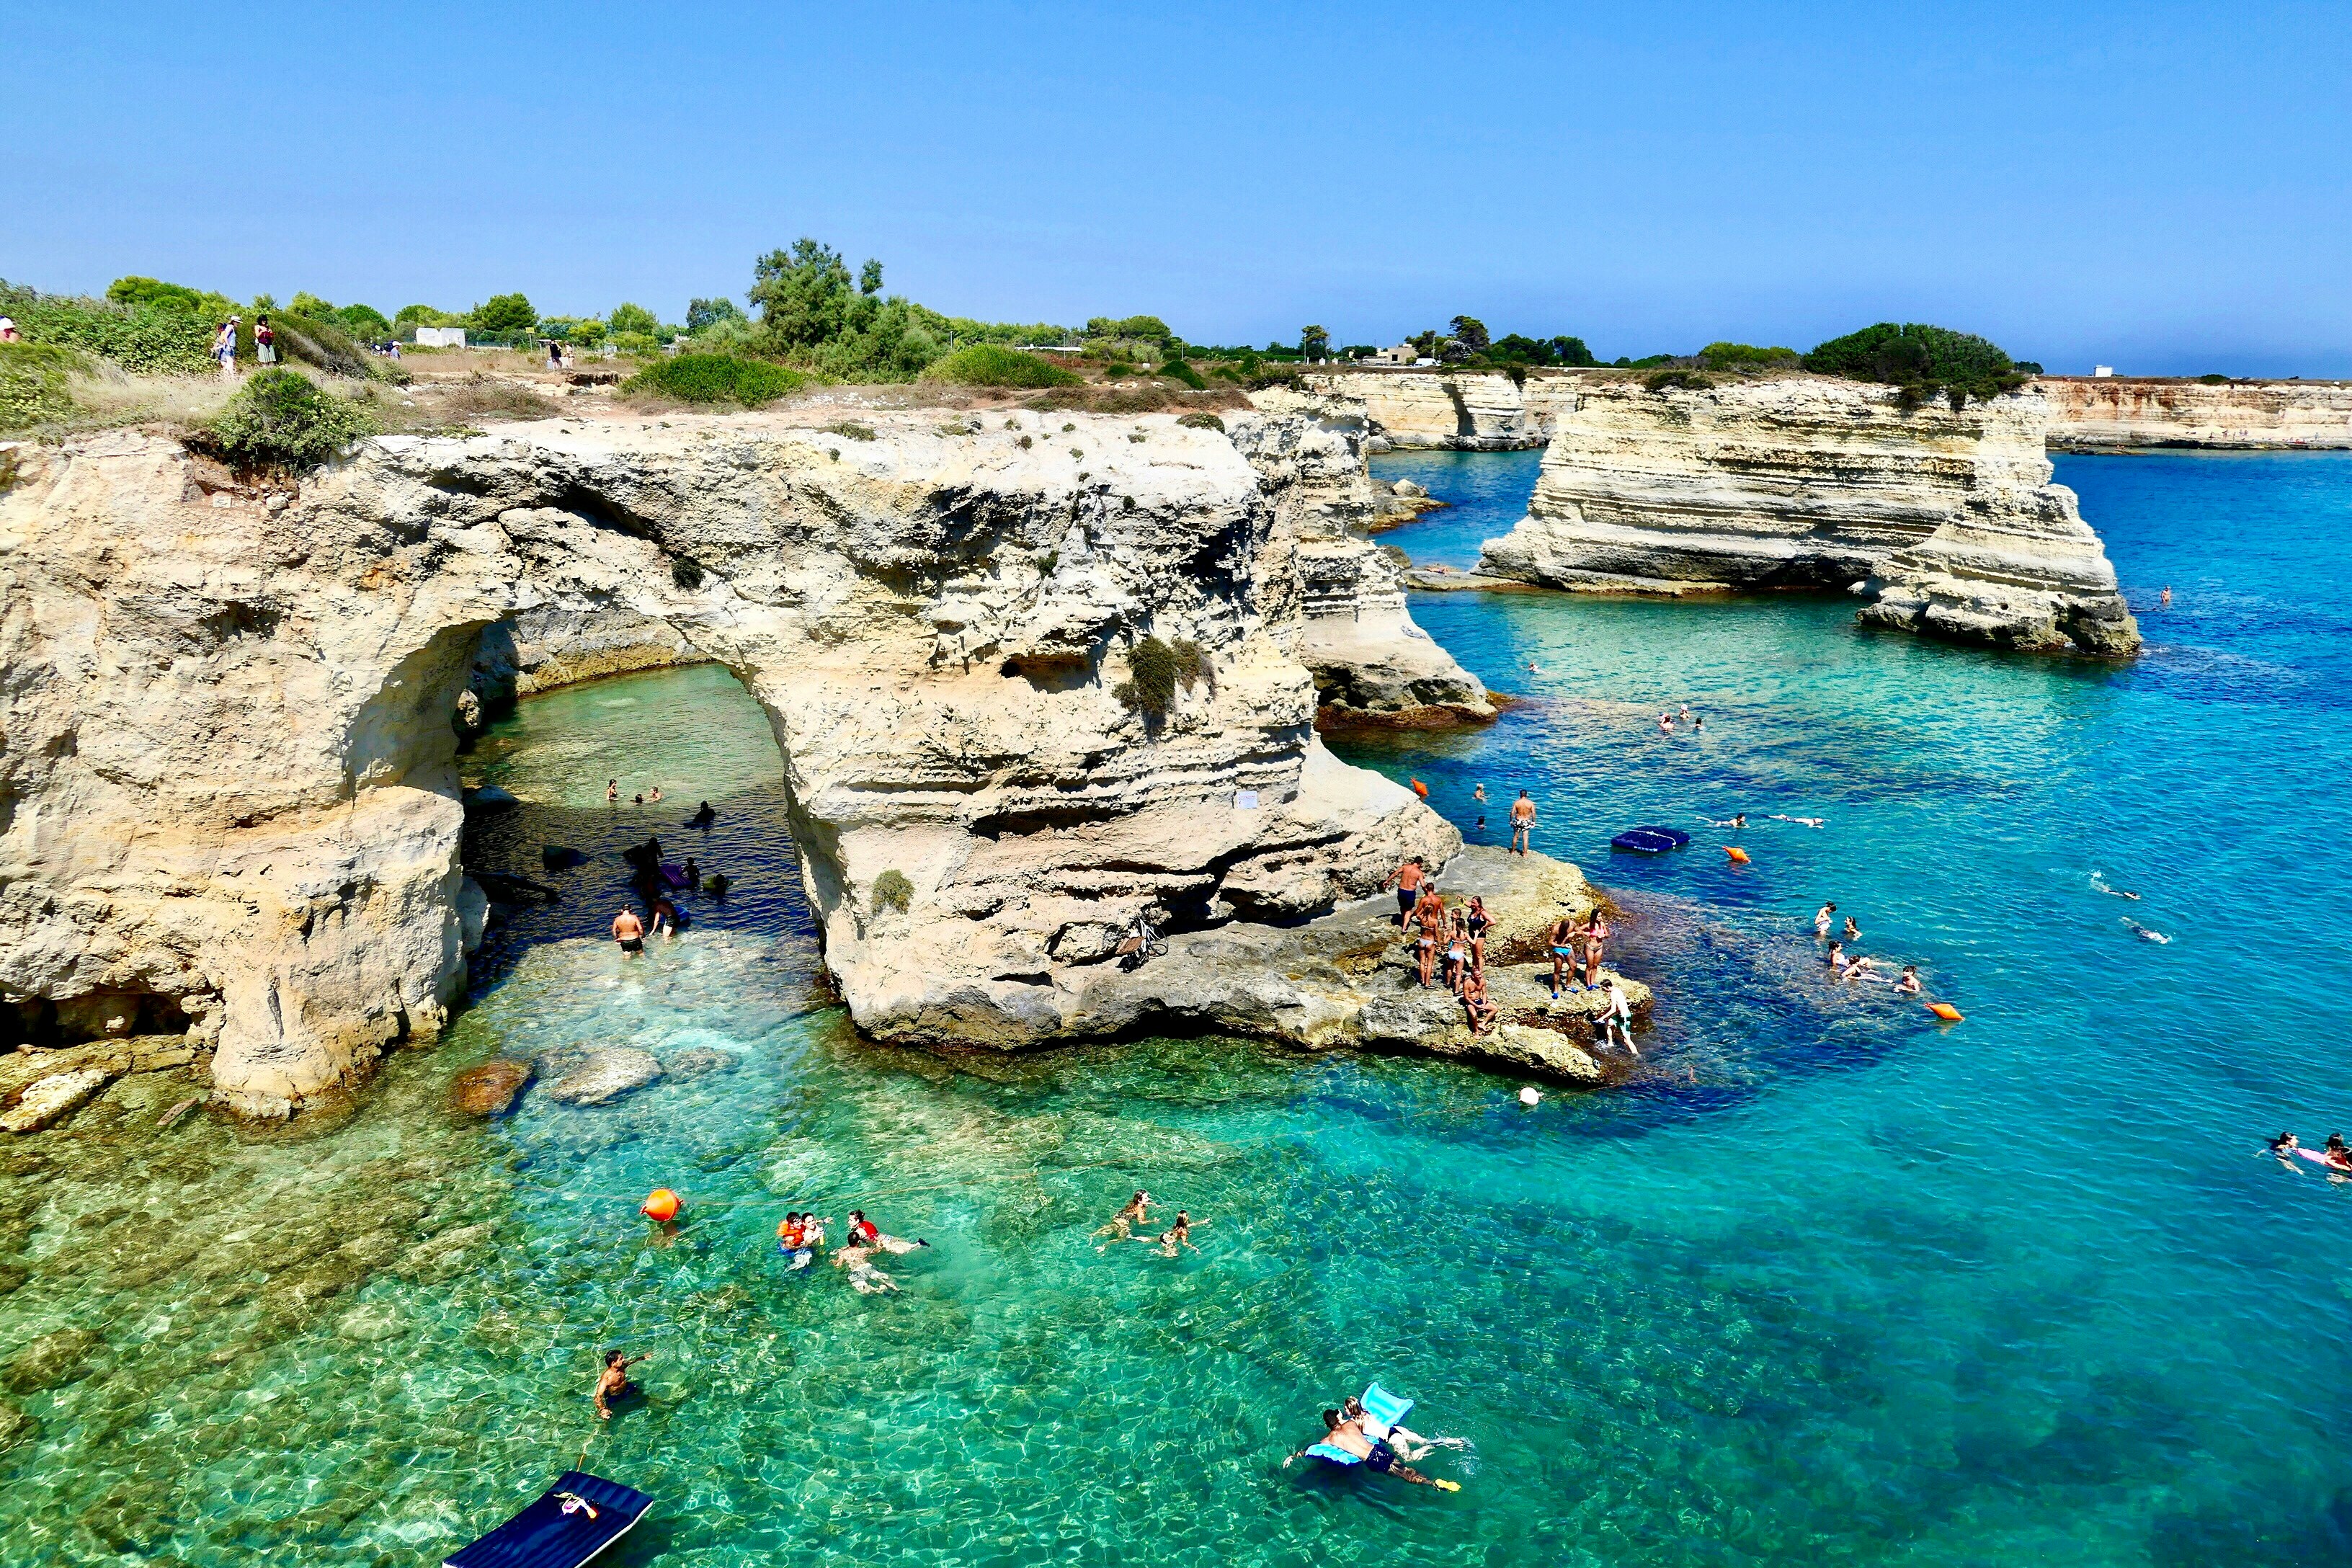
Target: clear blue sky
[(2164, 188)]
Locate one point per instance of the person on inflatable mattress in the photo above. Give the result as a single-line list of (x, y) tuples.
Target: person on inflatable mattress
[(1344, 1442)]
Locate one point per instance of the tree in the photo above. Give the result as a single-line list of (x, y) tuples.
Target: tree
[(1314, 342), (504, 313), (421, 316), (869, 277), (308, 304), (1470, 332), (588, 332), (153, 294), (364, 320), (701, 313), (1571, 352), (1920, 360), (629, 318), (804, 294)]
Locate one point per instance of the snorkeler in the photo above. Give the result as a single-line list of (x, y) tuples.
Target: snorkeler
[(1801, 821), (1123, 1224), (614, 1383), (2142, 931), (1349, 1438), (2099, 885)]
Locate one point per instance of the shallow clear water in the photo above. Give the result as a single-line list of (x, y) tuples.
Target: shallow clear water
[(1827, 1282)]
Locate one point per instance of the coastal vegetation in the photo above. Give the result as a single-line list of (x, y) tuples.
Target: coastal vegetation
[(892, 890), (715, 378), (1922, 362), (1155, 668), (33, 389), (993, 364), (280, 418)]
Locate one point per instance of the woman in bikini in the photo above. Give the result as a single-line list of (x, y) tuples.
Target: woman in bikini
[(1430, 913), (1123, 1224), (1457, 953), (1596, 938), (1562, 939), (1478, 922)]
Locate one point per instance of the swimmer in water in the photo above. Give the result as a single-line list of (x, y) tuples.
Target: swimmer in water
[(2099, 885), (611, 792), (1836, 960), (1737, 820), (2142, 931), (1532, 668), (1177, 1235), (1860, 969), (1123, 1224), (864, 1278), (614, 1383), (629, 931), (1801, 821), (2165, 599), (1699, 723), (704, 818), (2284, 1146), (1409, 1445), (1687, 713), (1665, 723), (1823, 918), (1853, 931), (1908, 984), (2338, 1154), (1349, 1439)]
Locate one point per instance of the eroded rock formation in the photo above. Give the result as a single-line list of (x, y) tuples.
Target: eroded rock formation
[(1948, 522), (1463, 411), (2089, 414), (230, 799)]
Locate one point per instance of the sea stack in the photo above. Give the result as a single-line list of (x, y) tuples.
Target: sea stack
[(1945, 519)]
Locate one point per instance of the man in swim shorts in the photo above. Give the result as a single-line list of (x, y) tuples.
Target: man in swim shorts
[(1407, 882), (629, 931), (1408, 1445), (1349, 1438), (1616, 1017), (1523, 818), (1824, 918)]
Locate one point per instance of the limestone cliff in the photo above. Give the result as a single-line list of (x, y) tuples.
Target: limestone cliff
[(2092, 414), (1467, 411), (227, 795), (1335, 599), (1947, 521)]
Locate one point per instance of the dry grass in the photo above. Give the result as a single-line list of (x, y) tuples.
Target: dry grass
[(113, 396)]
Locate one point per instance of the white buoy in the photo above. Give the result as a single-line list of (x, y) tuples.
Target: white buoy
[(1529, 1096)]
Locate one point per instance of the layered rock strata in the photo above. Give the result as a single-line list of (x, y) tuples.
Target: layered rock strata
[(230, 800), (1463, 411), (1945, 520), (2090, 414), (1335, 599)]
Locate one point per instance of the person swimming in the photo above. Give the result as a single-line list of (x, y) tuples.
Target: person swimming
[(1121, 1227), (1737, 819), (1348, 1438), (2142, 931), (797, 1238), (1908, 984), (864, 1278), (614, 1383), (1853, 931), (2099, 885), (2337, 1154), (611, 792), (692, 872), (704, 818), (1801, 821), (1177, 1234), (1836, 959), (1409, 1445), (716, 884), (2285, 1146), (1823, 918)]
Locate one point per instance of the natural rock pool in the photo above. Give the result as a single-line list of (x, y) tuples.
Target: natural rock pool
[(1825, 1282)]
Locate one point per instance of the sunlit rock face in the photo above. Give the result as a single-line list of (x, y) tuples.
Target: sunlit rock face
[(231, 801), (1945, 520), (2090, 414), (1463, 411)]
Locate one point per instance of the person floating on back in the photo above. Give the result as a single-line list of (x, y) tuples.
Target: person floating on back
[(1348, 1438)]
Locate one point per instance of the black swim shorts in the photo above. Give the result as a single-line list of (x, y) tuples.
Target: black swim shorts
[(1406, 899), (1384, 1458), (633, 944)]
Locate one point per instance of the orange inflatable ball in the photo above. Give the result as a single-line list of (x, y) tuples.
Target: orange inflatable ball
[(1945, 1011), (1738, 856), (662, 1204), (1420, 789)]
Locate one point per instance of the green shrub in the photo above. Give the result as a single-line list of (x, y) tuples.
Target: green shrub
[(716, 378), (147, 340), (2215, 379), (33, 388), (1747, 356), (1920, 360), (1155, 668), (626, 318), (321, 343), (279, 418), (1178, 370), (1676, 380), (1202, 422), (892, 891), (504, 313), (993, 365), (852, 429)]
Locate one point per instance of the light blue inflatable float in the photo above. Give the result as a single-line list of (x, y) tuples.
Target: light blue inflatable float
[(1382, 1409)]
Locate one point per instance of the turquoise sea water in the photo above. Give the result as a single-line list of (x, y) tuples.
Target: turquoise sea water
[(1827, 1282)]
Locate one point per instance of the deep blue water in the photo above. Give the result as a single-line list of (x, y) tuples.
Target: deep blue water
[(1827, 1282)]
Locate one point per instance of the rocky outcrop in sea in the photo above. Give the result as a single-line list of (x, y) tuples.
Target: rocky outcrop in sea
[(232, 803), (1945, 521)]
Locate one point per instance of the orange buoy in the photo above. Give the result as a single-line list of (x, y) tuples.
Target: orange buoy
[(662, 1204), (1945, 1011), (1420, 789), (1738, 856)]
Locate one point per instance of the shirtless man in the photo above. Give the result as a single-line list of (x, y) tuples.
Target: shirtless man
[(629, 931), (1616, 1018), (1483, 1013), (1123, 1224), (1349, 1438), (1407, 882), (1409, 1445), (864, 1278), (1523, 817), (614, 1382)]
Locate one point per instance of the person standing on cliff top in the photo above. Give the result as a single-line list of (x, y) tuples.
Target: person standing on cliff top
[(1407, 882), (1523, 818)]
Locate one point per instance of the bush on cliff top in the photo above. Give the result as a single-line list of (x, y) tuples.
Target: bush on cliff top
[(280, 419), (993, 364), (146, 339), (1920, 362), (716, 378), (33, 388)]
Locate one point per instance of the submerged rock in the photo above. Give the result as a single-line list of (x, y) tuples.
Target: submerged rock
[(700, 1061), (52, 1360), (607, 1076), (52, 1097), (490, 1089), (15, 1427)]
